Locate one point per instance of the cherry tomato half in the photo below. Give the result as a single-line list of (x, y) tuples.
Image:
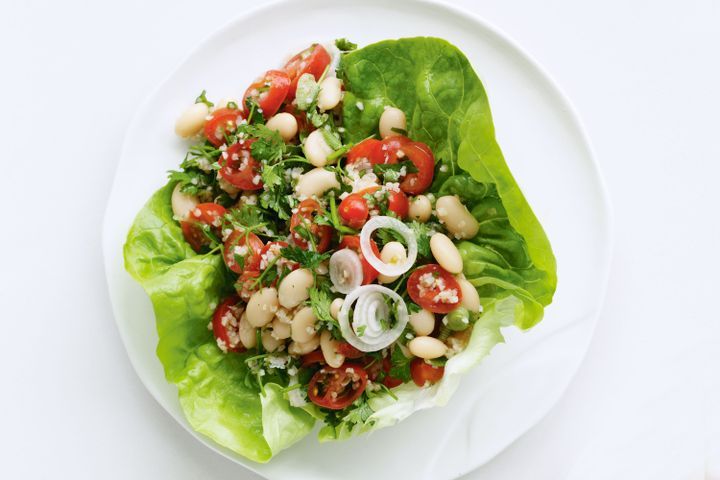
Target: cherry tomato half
[(312, 60), (222, 121), (354, 211), (316, 356), (388, 381), (304, 218), (348, 351), (239, 168), (421, 156), (434, 289), (353, 243), (399, 204), (205, 213), (336, 388), (370, 149), (425, 374), (269, 91), (245, 245), (245, 284), (225, 324)]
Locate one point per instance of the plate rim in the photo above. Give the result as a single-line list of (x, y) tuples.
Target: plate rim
[(603, 195)]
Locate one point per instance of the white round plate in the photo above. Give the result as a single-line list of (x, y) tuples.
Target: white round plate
[(547, 151)]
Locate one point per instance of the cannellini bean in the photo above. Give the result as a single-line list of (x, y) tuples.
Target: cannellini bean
[(269, 342), (297, 348), (280, 329), (285, 124), (330, 94), (420, 208), (427, 347), (423, 322), (446, 253), (335, 307), (392, 253), (294, 288), (182, 203), (329, 347), (392, 118), (316, 182), (316, 148), (303, 325), (470, 295), (231, 189), (262, 306), (191, 120), (456, 217), (247, 332)]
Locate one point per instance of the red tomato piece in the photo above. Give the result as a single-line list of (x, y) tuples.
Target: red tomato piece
[(425, 374), (348, 351), (304, 218), (421, 156), (269, 91), (353, 242), (225, 325), (245, 284), (316, 356), (239, 168), (370, 149), (222, 121), (434, 289), (354, 211), (245, 245), (312, 60), (336, 388), (388, 381), (399, 204), (203, 214)]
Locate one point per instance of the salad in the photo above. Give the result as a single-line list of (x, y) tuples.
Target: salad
[(339, 245)]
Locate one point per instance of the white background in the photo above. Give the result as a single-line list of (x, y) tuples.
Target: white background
[(645, 78)]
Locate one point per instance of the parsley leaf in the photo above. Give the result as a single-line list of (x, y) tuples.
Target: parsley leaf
[(391, 171), (400, 365), (320, 301), (345, 45), (306, 258), (203, 99), (422, 231)]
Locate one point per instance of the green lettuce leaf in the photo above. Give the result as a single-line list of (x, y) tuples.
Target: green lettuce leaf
[(184, 289)]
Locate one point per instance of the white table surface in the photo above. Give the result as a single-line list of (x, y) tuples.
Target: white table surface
[(645, 78)]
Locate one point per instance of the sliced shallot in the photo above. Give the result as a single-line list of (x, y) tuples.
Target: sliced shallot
[(388, 269), (346, 272)]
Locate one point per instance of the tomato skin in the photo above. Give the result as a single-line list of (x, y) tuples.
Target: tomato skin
[(388, 381), (221, 331), (316, 356), (244, 284), (399, 204), (304, 216), (353, 243), (347, 383), (421, 156), (348, 351), (254, 246), (354, 211), (221, 121), (277, 83), (239, 168), (312, 60), (426, 299), (423, 372), (205, 213), (370, 149)]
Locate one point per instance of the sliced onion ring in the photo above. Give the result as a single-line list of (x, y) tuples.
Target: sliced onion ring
[(369, 307), (387, 269), (346, 272)]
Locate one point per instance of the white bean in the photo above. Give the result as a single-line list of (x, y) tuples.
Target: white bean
[(231, 189), (294, 288), (392, 118), (316, 148), (246, 332), (303, 325), (446, 253), (420, 208), (330, 94), (269, 342), (427, 347), (470, 296), (280, 329), (456, 217), (329, 347), (335, 307), (297, 348), (316, 182), (423, 322), (285, 124), (393, 253), (191, 120), (262, 306), (182, 203)]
